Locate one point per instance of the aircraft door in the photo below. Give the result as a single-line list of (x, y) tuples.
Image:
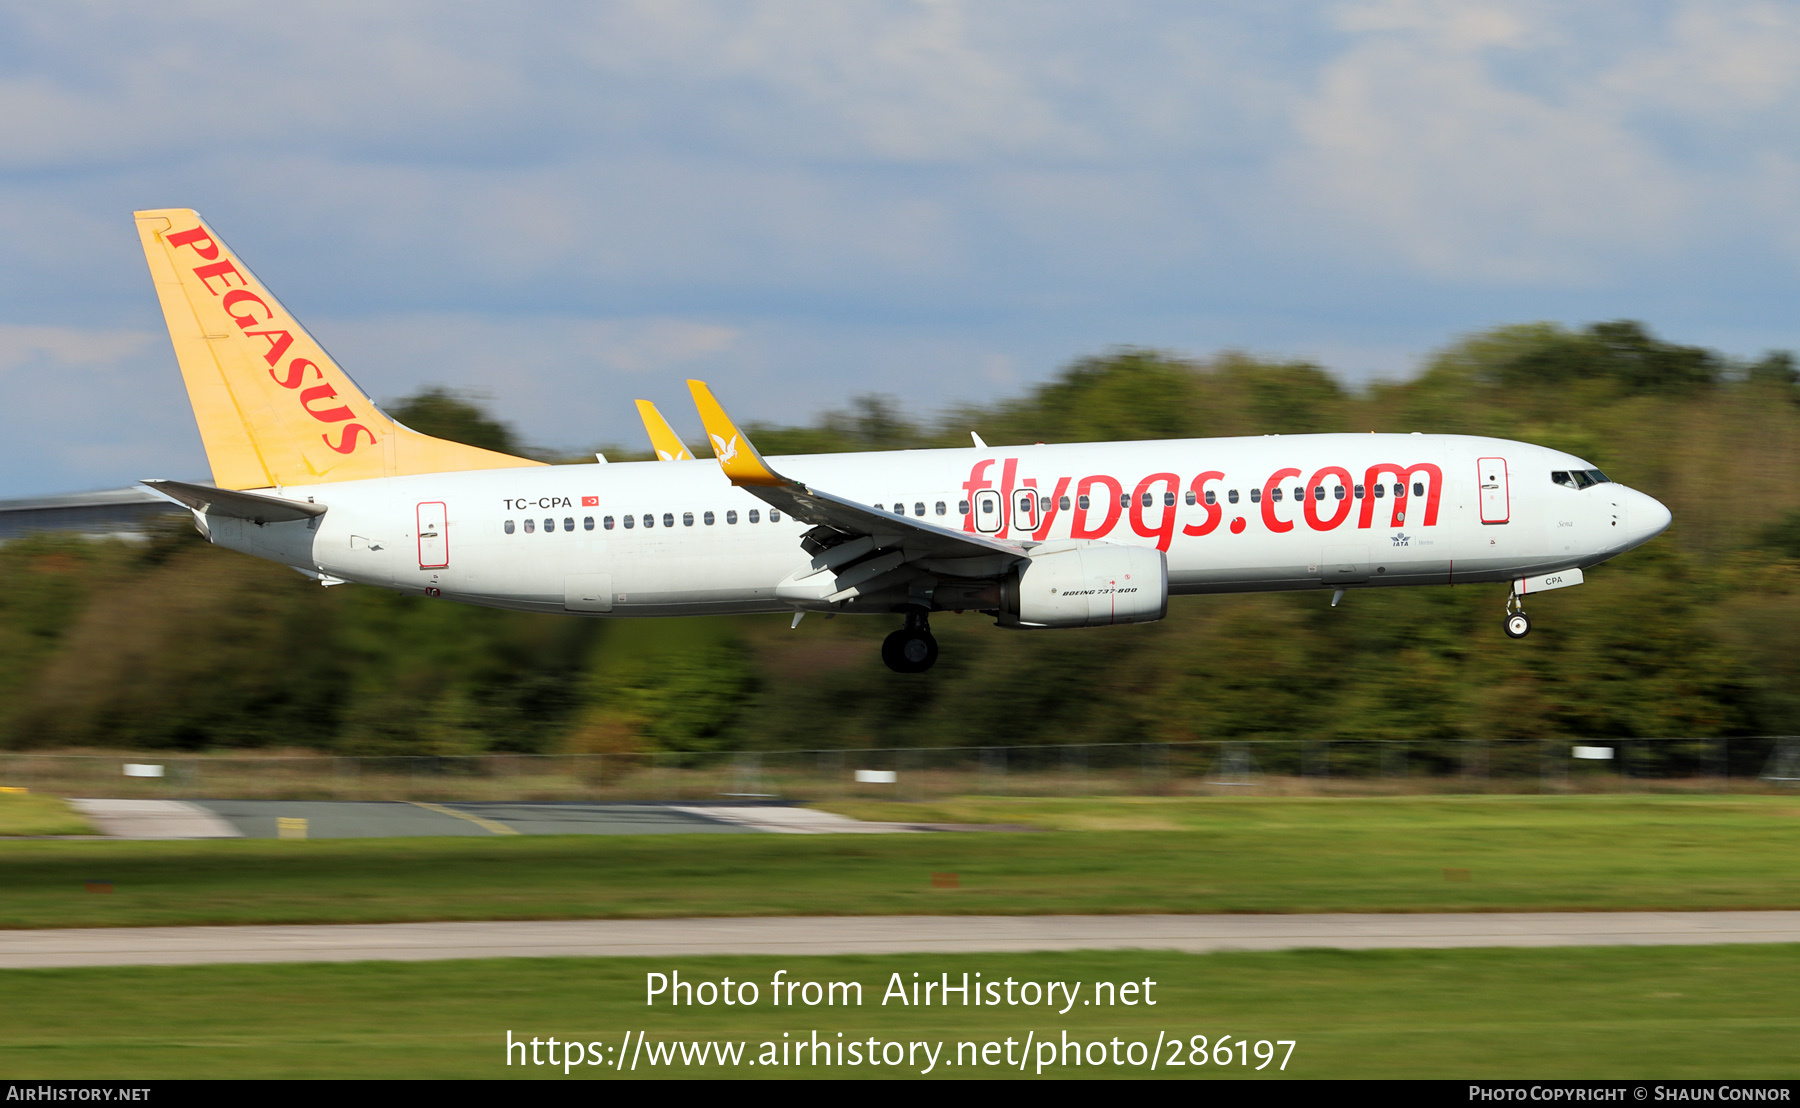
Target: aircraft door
[(1025, 510), (1496, 492), (434, 535), (990, 512)]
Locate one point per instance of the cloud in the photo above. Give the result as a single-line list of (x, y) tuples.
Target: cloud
[(564, 204), (24, 347)]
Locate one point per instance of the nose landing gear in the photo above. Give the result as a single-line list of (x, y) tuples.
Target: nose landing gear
[(1517, 624), (912, 649)]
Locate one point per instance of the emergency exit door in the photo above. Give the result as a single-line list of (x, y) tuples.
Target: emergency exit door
[(1025, 510), (434, 535), (989, 511), (1496, 494)]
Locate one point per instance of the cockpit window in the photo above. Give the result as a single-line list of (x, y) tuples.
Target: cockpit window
[(1579, 478)]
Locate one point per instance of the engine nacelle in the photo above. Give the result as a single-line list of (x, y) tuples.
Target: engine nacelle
[(1086, 584)]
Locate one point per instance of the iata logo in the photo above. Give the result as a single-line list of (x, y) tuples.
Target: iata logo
[(1402, 539)]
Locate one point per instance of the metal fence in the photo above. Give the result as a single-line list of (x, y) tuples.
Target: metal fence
[(1270, 766)]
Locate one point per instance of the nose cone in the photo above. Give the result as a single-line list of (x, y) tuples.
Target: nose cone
[(1645, 517)]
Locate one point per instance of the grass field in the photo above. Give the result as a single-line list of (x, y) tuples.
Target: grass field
[(1193, 855), (1639, 1012), (34, 814)]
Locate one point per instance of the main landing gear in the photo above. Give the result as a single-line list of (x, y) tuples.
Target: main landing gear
[(1518, 624), (912, 648)]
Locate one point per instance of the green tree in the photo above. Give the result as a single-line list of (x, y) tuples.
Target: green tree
[(446, 414)]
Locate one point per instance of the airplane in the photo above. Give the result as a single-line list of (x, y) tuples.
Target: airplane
[(311, 474)]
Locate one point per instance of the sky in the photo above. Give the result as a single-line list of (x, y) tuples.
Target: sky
[(564, 207)]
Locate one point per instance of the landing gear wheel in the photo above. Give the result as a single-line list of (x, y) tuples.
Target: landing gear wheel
[(909, 651), (1518, 625)]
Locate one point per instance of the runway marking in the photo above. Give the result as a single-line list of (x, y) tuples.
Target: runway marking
[(488, 824), (614, 938)]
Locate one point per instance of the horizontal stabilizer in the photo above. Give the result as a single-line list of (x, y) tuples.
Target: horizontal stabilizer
[(254, 507)]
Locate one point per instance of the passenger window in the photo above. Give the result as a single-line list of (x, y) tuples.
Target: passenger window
[(1299, 494), (1232, 496), (1190, 498), (1169, 499), (569, 523), (1359, 492), (668, 519), (1337, 492), (962, 507), (1043, 503), (630, 522), (1083, 501), (649, 520), (774, 516), (1275, 495), (940, 507), (1149, 499), (881, 507), (1124, 500), (1318, 492), (919, 508), (1399, 489), (753, 515), (587, 523), (507, 527), (899, 510), (687, 519), (1063, 503), (607, 523), (549, 526), (1379, 491), (1256, 496), (1418, 488), (1212, 497), (530, 526), (707, 519), (731, 517)]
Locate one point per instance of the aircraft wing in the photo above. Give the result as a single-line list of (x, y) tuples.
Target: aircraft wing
[(916, 539)]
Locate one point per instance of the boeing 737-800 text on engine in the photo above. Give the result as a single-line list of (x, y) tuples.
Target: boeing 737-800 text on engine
[(311, 474)]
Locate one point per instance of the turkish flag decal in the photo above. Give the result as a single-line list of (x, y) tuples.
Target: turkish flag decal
[(590, 502)]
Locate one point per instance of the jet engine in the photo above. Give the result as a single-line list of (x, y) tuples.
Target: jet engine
[(1086, 584)]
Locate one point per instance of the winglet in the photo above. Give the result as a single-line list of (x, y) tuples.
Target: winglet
[(737, 457), (663, 439)]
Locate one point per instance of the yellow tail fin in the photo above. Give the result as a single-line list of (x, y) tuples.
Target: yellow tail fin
[(272, 406), (663, 439)]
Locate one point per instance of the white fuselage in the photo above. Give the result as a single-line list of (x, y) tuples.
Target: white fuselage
[(518, 538)]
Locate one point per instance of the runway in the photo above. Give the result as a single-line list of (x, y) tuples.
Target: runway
[(408, 942), (360, 819)]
